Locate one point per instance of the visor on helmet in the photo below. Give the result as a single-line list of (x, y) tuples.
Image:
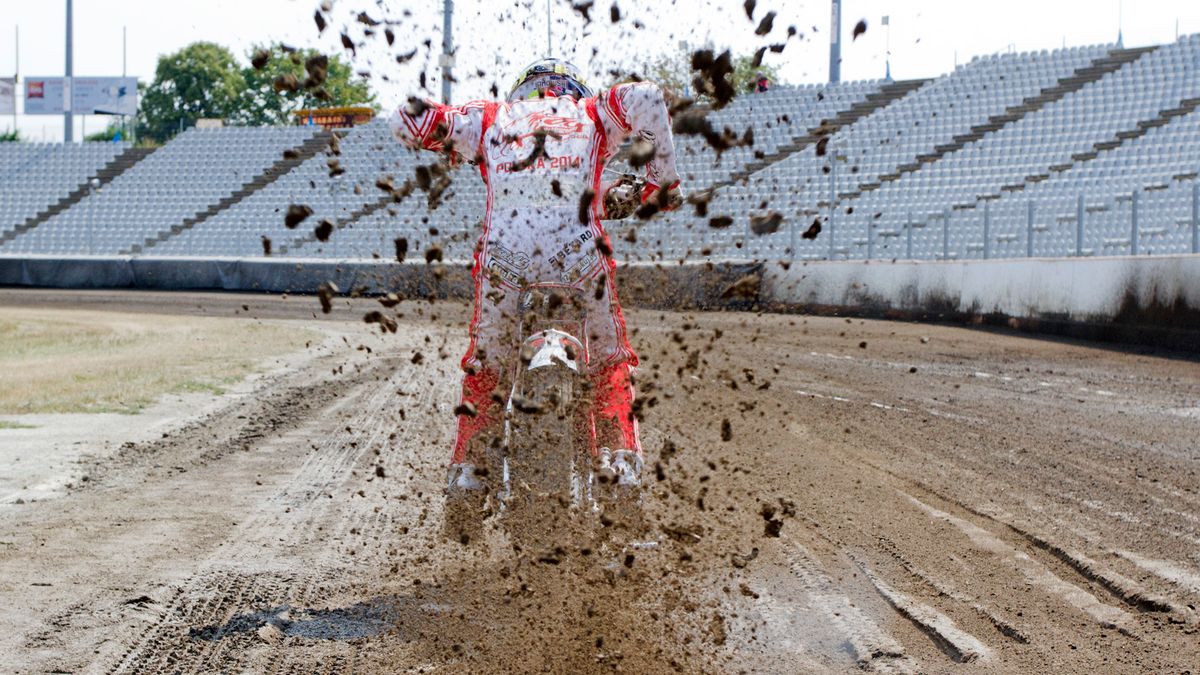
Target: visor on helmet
[(540, 86)]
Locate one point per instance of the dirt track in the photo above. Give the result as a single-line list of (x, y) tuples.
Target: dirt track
[(945, 496)]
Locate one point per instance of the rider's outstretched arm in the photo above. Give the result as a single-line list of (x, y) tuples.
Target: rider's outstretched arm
[(455, 130), (639, 109)]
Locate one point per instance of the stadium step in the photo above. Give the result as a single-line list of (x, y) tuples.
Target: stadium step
[(870, 104), (104, 176), (291, 159), (1114, 60), (1141, 128), (348, 221)]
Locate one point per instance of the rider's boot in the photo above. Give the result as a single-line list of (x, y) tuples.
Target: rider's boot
[(619, 458), (619, 449), (620, 468), (480, 423), (466, 503)]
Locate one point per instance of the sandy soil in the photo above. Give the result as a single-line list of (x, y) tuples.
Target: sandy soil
[(830, 495)]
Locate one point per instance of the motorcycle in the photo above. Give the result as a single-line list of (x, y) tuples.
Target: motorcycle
[(552, 489)]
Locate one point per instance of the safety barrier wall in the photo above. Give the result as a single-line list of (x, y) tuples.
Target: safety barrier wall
[(645, 285), (1152, 300)]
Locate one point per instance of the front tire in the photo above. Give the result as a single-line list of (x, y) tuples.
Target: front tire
[(548, 503)]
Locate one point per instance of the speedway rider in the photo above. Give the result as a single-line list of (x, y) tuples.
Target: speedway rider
[(541, 154)]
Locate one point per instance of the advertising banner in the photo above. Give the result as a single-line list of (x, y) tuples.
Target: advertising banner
[(87, 96), (44, 96), (8, 95), (105, 95)]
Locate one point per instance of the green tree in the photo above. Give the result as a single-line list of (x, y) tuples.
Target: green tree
[(107, 133), (201, 80), (745, 73), (672, 71), (282, 79), (10, 136)]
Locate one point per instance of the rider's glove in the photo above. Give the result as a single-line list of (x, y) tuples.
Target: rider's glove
[(622, 197), (667, 199)]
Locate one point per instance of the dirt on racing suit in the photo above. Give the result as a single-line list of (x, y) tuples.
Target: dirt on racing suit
[(542, 161)]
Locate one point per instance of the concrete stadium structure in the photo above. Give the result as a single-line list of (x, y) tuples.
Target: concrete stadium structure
[(1083, 152)]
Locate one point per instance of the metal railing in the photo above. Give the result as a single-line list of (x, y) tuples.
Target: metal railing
[(1155, 220)]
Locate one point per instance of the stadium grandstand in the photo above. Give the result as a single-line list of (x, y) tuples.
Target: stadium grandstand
[(1085, 151)]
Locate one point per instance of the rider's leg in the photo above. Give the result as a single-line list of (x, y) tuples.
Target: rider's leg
[(485, 388), (480, 416), (486, 364), (616, 427), (611, 363)]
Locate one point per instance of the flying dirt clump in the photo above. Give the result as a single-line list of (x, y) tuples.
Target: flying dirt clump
[(325, 294), (287, 82), (296, 213), (699, 200), (386, 323), (585, 205), (767, 223), (696, 123), (433, 179), (767, 23), (323, 230), (317, 68), (713, 76), (641, 152)]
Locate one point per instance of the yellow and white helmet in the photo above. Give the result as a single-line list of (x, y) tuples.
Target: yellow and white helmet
[(549, 77)]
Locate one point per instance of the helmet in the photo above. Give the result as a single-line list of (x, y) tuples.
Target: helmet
[(549, 77)]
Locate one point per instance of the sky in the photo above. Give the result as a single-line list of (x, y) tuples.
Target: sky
[(496, 38)]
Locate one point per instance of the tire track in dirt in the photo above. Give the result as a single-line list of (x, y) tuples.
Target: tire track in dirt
[(1120, 586), (302, 505), (873, 649), (921, 535), (1106, 615), (959, 645)]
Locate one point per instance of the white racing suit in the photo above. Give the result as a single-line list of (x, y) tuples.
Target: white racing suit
[(542, 162)]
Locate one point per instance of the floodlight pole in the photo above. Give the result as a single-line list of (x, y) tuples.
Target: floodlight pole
[(68, 83), (16, 72), (124, 69), (835, 42), (549, 50), (447, 47), (1120, 23), (887, 67)]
